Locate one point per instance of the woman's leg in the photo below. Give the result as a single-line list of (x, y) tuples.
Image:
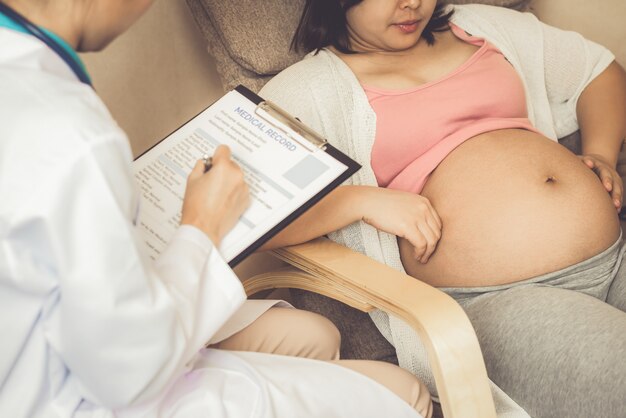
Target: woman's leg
[(289, 332), (556, 352)]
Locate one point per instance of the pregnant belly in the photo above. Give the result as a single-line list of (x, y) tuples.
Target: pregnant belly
[(514, 205)]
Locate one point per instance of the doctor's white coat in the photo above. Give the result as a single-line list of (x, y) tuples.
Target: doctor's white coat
[(89, 325)]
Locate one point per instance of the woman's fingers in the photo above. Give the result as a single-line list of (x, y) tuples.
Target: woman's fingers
[(424, 239), (589, 162), (435, 226), (606, 177), (418, 241), (612, 182), (432, 237), (435, 216), (609, 178), (618, 192)]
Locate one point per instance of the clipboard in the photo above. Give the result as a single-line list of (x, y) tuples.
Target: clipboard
[(317, 141), (298, 133)]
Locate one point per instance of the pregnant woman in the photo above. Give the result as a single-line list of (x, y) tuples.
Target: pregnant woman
[(454, 115)]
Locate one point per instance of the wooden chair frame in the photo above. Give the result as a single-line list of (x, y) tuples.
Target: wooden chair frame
[(333, 270)]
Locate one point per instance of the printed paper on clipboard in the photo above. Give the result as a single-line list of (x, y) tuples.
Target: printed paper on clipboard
[(287, 166)]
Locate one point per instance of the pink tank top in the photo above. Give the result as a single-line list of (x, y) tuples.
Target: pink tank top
[(417, 128)]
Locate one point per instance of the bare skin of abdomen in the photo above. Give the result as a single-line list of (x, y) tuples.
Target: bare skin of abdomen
[(514, 205)]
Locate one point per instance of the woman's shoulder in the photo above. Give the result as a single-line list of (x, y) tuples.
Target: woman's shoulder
[(313, 67), (508, 29), (489, 13), (484, 8), (316, 89)]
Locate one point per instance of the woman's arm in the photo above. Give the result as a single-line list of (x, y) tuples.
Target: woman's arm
[(406, 215), (339, 208), (307, 90), (601, 111)]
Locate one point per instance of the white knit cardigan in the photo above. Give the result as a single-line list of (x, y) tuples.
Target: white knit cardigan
[(554, 65)]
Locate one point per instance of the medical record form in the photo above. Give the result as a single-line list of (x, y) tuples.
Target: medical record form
[(287, 166)]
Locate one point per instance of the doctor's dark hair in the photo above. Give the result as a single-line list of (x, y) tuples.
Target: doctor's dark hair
[(323, 23)]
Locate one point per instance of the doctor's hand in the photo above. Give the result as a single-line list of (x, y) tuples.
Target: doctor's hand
[(215, 200), (609, 177), (406, 215)]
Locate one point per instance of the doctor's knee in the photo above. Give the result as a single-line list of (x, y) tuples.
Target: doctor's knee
[(288, 332)]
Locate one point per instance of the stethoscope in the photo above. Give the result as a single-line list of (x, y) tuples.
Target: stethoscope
[(32, 29)]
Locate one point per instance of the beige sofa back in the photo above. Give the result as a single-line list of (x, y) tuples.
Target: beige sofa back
[(157, 75), (602, 21)]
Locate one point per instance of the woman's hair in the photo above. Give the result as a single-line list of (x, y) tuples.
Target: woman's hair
[(323, 23)]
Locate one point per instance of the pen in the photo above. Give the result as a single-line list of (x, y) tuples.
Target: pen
[(208, 162)]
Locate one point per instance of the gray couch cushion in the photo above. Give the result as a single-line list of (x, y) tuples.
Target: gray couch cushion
[(256, 37), (360, 339)]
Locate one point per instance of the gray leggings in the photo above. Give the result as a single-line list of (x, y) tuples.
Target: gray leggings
[(556, 344)]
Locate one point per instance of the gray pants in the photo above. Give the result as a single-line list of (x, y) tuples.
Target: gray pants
[(556, 344)]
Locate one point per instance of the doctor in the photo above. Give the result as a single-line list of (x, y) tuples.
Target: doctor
[(90, 327)]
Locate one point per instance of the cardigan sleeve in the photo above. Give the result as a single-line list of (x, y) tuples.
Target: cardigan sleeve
[(556, 65), (571, 62), (292, 89)]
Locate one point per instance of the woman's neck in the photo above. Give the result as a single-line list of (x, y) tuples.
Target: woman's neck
[(60, 18)]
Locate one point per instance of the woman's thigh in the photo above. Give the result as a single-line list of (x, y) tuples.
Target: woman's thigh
[(558, 353)]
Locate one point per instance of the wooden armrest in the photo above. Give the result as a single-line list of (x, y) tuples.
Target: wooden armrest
[(340, 273)]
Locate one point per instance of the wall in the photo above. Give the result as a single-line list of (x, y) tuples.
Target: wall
[(157, 75), (602, 21)]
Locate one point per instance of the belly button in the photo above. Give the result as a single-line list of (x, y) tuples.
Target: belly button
[(551, 179)]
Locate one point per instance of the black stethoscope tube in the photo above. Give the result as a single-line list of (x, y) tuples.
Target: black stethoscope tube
[(32, 29)]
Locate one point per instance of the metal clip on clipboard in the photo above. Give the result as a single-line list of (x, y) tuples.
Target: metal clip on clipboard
[(271, 113)]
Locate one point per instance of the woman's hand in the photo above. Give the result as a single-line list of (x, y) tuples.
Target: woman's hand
[(406, 215), (609, 177), (215, 200)]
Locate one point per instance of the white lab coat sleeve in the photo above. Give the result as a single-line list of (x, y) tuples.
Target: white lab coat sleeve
[(125, 326)]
